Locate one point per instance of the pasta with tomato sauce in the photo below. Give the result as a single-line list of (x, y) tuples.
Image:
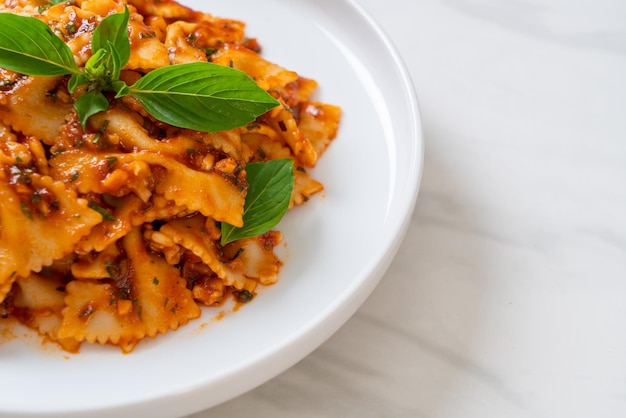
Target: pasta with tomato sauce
[(110, 231)]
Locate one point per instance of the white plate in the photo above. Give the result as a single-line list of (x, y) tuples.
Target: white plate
[(338, 245)]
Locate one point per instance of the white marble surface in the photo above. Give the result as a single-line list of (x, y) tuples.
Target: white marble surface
[(508, 296)]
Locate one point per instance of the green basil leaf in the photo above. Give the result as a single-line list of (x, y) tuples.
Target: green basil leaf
[(96, 65), (77, 80), (89, 104), (120, 88), (55, 2), (115, 65), (28, 46), (202, 96), (112, 35), (270, 185), (103, 68)]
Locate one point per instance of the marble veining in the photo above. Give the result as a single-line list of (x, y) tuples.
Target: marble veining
[(585, 24)]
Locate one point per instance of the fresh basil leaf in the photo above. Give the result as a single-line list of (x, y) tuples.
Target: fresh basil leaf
[(120, 88), (96, 65), (28, 46), (202, 96), (103, 68), (115, 64), (55, 2), (112, 35), (89, 104), (270, 185), (77, 80)]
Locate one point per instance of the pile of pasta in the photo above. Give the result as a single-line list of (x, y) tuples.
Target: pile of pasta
[(74, 274)]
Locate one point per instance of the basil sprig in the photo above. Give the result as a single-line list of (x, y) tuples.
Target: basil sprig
[(270, 185), (200, 96)]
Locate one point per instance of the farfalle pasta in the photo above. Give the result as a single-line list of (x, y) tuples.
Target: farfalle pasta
[(110, 230)]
